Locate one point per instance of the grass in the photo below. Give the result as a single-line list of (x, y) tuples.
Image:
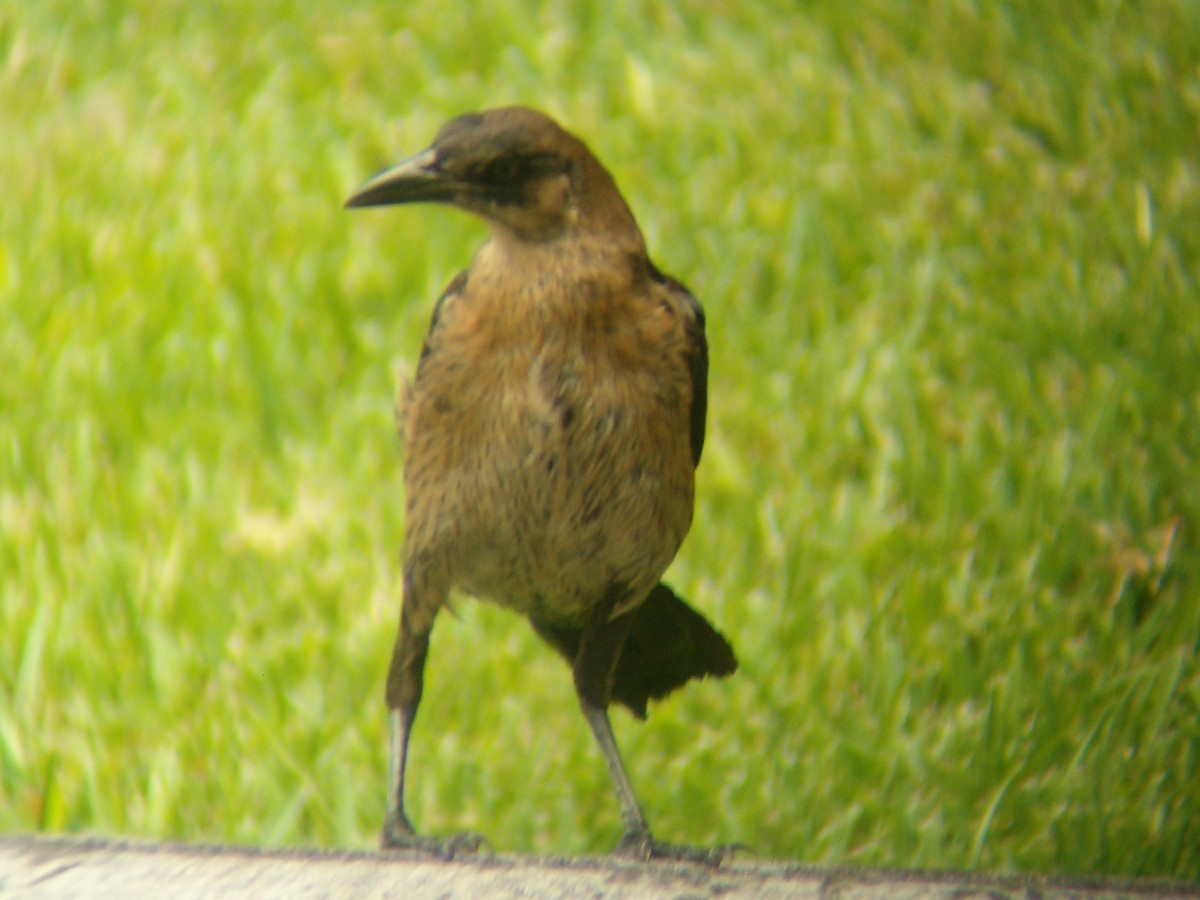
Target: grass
[(948, 510)]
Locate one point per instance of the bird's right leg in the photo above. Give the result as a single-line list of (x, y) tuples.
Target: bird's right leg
[(405, 682), (594, 668)]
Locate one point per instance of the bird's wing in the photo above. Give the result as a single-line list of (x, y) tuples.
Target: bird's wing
[(697, 360), (404, 391), (453, 289), (695, 353)]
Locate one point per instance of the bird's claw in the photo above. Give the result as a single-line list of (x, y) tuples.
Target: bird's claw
[(644, 846), (399, 835)]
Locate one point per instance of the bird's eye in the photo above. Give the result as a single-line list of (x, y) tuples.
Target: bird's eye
[(514, 171), (503, 172)]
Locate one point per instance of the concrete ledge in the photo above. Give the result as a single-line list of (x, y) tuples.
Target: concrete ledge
[(48, 867)]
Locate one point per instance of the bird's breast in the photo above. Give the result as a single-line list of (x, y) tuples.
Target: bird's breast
[(548, 460)]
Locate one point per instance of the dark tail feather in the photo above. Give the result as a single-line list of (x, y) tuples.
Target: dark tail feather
[(669, 644)]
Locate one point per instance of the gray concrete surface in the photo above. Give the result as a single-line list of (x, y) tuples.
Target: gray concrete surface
[(60, 867)]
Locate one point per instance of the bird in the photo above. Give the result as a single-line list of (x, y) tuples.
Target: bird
[(551, 433)]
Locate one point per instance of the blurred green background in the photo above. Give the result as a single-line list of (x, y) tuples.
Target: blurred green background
[(948, 509)]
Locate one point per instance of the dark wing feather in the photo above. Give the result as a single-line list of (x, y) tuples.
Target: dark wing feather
[(453, 289), (404, 391), (696, 356), (697, 360)]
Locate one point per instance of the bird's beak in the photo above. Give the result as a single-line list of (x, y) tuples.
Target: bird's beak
[(415, 180)]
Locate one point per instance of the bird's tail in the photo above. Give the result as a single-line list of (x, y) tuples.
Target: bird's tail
[(669, 643)]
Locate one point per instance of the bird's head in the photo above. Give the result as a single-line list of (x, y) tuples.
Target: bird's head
[(514, 167)]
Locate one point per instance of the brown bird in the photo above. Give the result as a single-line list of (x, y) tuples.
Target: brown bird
[(551, 434)]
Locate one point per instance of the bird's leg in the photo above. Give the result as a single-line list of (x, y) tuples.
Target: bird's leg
[(633, 820), (599, 651), (396, 826), (405, 681)]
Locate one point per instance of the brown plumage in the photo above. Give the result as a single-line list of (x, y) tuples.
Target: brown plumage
[(551, 435)]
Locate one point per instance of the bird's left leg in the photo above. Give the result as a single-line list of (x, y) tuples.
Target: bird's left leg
[(595, 663), (405, 683)]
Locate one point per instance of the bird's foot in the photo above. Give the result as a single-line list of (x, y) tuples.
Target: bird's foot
[(643, 846), (398, 834)]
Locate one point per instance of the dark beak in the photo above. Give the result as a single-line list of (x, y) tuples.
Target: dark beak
[(416, 180)]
